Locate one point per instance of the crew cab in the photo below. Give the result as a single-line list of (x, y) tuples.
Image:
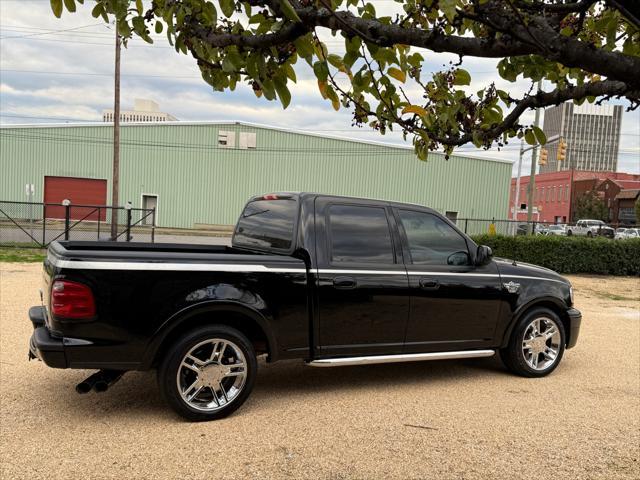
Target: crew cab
[(590, 228), (334, 281)]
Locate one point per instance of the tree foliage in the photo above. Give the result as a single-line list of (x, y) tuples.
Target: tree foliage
[(586, 50), (590, 206), (637, 210)]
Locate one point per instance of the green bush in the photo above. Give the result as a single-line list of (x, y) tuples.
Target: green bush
[(569, 254)]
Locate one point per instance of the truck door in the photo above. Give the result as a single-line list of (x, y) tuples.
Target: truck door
[(363, 302), (454, 304)]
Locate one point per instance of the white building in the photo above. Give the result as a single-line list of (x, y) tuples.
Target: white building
[(143, 111)]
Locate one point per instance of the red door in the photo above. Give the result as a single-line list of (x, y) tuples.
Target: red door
[(80, 191)]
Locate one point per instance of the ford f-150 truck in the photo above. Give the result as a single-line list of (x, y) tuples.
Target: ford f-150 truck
[(330, 280), (590, 228)]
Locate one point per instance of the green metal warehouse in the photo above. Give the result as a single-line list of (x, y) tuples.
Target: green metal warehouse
[(202, 172)]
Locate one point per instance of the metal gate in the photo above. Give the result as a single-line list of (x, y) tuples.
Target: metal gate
[(27, 224)]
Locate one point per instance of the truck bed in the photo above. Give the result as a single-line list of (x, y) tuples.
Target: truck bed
[(158, 253)]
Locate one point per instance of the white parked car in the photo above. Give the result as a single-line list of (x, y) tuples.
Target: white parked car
[(590, 228), (556, 230), (632, 233), (620, 233)]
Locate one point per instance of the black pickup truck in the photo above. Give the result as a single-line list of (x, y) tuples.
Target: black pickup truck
[(330, 280)]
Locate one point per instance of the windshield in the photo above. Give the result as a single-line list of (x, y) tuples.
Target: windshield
[(266, 225)]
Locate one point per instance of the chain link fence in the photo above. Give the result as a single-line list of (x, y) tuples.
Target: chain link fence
[(30, 224), (475, 226)]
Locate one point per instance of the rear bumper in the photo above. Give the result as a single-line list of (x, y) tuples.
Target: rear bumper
[(575, 319), (42, 345)]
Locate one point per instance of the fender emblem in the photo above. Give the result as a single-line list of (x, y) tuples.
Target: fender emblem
[(512, 287)]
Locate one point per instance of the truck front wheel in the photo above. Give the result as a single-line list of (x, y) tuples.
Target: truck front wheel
[(536, 345), (208, 373)]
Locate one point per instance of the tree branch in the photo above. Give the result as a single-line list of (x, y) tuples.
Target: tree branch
[(546, 99)]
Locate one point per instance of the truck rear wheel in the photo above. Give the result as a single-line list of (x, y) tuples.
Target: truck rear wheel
[(208, 373), (536, 345)]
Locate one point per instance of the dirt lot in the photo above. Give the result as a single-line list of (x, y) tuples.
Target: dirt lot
[(462, 420)]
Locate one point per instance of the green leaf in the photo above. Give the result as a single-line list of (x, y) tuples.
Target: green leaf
[(540, 136), (228, 7), (336, 61), (321, 71), (56, 7), (304, 47), (333, 96), (529, 137), (158, 27), (448, 7), (462, 77), (139, 7), (289, 11), (70, 5), (291, 73), (283, 92), (97, 10)]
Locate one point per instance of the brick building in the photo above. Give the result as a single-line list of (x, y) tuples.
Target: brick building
[(556, 193), (624, 206)]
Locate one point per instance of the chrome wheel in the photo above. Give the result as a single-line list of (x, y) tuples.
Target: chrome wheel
[(212, 374), (541, 343)]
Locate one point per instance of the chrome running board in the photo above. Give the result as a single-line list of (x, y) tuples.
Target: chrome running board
[(403, 357)]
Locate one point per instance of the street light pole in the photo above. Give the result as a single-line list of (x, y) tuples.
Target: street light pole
[(115, 182), (532, 176)]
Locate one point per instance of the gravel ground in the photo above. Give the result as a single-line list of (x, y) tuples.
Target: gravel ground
[(460, 420)]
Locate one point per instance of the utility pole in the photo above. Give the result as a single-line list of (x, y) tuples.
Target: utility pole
[(115, 181), (532, 176)]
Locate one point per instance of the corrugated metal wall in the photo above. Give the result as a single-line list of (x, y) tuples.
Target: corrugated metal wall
[(199, 182)]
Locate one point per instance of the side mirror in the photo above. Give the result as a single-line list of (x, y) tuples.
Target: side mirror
[(483, 255)]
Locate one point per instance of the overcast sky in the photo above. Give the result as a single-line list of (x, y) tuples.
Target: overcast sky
[(54, 70)]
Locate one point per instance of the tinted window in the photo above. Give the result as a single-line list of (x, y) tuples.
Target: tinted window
[(266, 224), (359, 235), (432, 241)]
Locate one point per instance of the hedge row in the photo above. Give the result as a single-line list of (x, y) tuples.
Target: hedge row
[(569, 254)]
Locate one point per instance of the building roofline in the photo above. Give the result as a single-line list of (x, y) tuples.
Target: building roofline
[(246, 124)]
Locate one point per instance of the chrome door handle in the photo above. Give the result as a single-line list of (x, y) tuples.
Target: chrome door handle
[(429, 284), (344, 282)]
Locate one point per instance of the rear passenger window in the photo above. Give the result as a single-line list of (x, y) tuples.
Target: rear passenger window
[(359, 234), (266, 225), (432, 241)]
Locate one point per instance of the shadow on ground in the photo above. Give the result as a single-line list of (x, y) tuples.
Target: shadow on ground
[(137, 393)]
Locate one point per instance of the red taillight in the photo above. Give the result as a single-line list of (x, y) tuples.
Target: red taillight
[(271, 196), (72, 300)]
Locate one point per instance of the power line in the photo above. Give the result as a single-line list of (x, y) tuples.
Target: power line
[(51, 32), (85, 139), (43, 72)]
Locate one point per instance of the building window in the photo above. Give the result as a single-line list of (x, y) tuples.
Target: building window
[(247, 140), (226, 139)]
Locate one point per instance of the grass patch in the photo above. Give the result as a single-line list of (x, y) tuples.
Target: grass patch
[(614, 297), (22, 255)]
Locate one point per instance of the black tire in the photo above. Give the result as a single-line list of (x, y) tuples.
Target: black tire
[(168, 371), (513, 355), (569, 233), (589, 234)]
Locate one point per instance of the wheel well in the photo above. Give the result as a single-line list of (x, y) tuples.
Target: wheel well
[(554, 307), (243, 323)]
